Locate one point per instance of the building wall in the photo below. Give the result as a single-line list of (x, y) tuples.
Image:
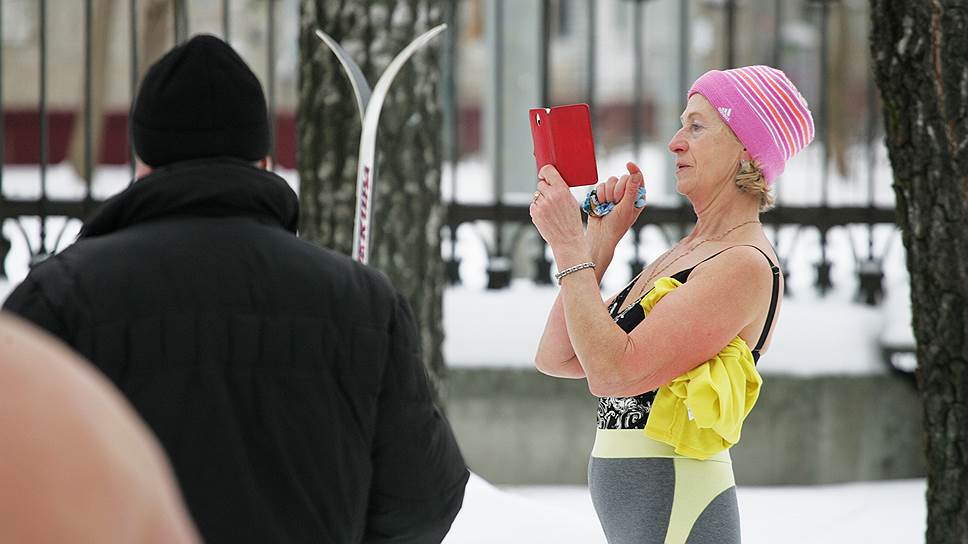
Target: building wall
[(521, 427)]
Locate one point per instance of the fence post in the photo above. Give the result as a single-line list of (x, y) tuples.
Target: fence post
[(180, 14), (44, 129), (824, 266), (730, 38), (271, 76), (133, 75), (498, 265), (451, 128), (4, 242), (226, 21)]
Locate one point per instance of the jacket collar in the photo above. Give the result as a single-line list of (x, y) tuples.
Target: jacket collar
[(206, 187)]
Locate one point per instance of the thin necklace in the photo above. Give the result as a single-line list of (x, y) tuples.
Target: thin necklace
[(666, 255)]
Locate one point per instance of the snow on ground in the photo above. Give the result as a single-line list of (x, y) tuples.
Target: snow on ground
[(490, 516), (890, 512)]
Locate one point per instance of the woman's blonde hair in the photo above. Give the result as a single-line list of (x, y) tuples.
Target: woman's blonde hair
[(750, 179)]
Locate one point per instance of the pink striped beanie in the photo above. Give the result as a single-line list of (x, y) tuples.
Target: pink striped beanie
[(765, 110)]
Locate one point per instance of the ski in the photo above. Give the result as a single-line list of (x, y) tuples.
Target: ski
[(370, 104)]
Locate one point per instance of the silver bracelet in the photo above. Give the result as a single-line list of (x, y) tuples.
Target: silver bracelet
[(572, 269)]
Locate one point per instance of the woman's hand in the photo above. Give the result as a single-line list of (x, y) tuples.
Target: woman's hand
[(554, 211), (622, 192)]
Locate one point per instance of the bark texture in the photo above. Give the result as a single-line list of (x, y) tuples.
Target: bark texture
[(920, 52), (408, 213)]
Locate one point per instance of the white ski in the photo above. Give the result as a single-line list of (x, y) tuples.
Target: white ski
[(370, 104)]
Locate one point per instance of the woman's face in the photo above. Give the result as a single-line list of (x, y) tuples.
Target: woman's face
[(707, 153)]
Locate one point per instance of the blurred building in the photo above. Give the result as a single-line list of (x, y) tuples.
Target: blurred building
[(784, 33)]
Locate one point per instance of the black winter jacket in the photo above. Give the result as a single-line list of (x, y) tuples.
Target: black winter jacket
[(283, 380)]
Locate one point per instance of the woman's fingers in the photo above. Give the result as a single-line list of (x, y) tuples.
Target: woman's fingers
[(614, 189), (600, 191), (549, 174), (619, 191), (604, 190), (634, 170)]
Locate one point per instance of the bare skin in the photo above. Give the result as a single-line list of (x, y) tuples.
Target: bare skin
[(726, 297), (76, 463)]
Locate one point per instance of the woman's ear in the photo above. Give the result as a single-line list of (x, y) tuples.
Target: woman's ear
[(745, 155)]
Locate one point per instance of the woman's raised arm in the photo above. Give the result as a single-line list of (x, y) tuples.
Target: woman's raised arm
[(556, 354)]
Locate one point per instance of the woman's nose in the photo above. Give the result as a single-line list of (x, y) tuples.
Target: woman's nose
[(678, 144)]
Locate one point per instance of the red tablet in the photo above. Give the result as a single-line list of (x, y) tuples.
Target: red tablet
[(563, 137)]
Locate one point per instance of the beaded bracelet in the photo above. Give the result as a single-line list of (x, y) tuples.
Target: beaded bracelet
[(572, 269)]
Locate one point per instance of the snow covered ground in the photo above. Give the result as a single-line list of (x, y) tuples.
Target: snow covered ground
[(883, 512)]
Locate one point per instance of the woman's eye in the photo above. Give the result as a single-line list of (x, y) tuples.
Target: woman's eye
[(695, 127)]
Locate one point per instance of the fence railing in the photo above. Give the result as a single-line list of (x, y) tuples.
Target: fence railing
[(510, 221), (822, 217)]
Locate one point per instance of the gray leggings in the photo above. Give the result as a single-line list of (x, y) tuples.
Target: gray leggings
[(660, 500)]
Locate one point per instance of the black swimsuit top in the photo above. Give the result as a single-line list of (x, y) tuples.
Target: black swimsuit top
[(633, 412)]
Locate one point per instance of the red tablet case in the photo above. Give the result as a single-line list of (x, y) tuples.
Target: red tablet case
[(563, 137)]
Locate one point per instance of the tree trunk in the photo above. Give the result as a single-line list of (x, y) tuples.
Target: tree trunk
[(920, 52), (407, 213)]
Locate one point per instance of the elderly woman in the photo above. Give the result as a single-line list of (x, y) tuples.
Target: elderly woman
[(721, 290)]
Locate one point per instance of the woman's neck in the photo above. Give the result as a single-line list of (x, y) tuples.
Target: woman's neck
[(724, 211)]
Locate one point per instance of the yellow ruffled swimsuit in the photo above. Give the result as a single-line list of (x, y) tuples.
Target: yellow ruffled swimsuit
[(660, 470), (701, 412)]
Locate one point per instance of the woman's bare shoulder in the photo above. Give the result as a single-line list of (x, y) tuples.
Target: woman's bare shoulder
[(734, 270)]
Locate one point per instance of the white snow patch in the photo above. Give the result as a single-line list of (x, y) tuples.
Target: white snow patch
[(490, 515), (889, 512)]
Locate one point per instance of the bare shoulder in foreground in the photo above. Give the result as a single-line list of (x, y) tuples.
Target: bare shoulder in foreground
[(78, 464)]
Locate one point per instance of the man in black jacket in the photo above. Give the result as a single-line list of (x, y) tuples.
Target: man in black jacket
[(283, 380)]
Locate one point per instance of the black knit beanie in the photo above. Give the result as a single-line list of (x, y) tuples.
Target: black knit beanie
[(200, 100)]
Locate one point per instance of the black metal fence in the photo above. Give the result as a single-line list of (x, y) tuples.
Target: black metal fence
[(510, 220), (45, 207)]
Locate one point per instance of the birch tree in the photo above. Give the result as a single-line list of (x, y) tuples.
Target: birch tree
[(408, 214)]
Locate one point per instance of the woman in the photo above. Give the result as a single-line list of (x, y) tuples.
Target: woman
[(738, 130)]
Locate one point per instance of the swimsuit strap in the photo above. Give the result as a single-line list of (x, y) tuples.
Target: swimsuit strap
[(683, 275), (620, 298), (774, 298)]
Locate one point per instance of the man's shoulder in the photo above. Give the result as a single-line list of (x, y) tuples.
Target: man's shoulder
[(353, 275), (50, 270)]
